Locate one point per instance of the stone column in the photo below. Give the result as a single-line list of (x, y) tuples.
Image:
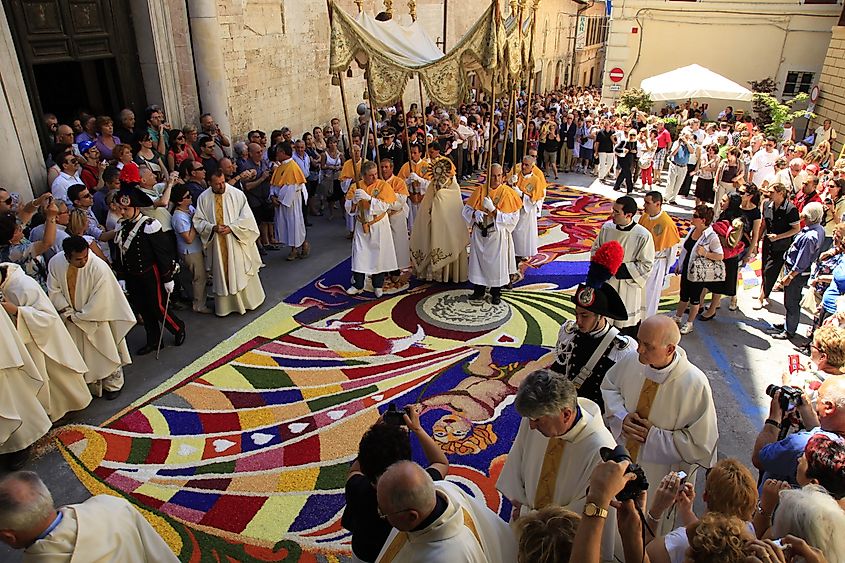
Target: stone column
[(212, 83), (157, 55), (22, 168)]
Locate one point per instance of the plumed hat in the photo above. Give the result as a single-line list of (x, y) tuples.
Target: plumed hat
[(130, 195), (130, 174), (595, 295)]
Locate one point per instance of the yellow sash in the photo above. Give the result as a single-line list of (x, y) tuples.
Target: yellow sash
[(647, 394), (287, 173), (221, 238), (547, 483), (504, 198), (401, 539)]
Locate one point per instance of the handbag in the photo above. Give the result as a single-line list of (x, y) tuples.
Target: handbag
[(702, 269)]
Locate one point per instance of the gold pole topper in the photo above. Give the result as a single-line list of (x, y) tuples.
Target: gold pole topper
[(360, 4), (412, 8), (388, 7)]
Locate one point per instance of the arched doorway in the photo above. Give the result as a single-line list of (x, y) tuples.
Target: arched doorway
[(76, 55), (558, 72)]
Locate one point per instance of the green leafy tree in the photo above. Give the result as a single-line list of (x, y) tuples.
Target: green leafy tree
[(634, 98), (761, 109), (780, 113)]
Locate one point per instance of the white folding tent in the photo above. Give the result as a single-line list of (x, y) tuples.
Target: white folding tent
[(694, 82)]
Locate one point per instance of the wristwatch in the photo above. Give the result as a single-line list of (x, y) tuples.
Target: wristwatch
[(594, 510)]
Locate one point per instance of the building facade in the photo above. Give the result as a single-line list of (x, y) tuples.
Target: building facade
[(742, 40), (253, 64), (831, 101)]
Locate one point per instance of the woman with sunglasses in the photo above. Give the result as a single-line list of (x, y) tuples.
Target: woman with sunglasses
[(149, 157), (180, 150)]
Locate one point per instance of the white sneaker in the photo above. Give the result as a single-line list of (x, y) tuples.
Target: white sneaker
[(353, 291), (379, 292), (678, 319), (686, 329)]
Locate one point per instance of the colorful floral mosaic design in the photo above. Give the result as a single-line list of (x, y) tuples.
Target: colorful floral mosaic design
[(245, 458)]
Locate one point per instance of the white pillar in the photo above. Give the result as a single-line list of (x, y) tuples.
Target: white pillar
[(212, 83), (157, 55), (22, 168)]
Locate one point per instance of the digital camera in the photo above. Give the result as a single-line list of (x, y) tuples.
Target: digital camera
[(632, 488), (394, 416), (790, 397)]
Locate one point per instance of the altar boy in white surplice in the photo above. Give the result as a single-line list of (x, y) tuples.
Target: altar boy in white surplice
[(96, 313), (660, 407), (555, 450)]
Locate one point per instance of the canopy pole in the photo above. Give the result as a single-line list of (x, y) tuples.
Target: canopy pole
[(531, 67), (517, 90), (407, 134), (422, 108), (490, 146), (345, 109), (373, 119), (505, 132)]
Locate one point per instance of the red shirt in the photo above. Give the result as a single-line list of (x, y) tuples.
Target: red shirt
[(90, 176), (802, 199), (664, 139)]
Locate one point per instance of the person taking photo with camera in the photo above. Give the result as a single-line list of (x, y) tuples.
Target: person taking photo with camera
[(385, 443), (778, 458)]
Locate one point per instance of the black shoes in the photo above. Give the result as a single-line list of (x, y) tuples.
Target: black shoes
[(111, 395), (145, 350), (180, 337)]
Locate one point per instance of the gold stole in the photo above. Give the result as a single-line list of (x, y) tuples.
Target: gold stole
[(72, 273), (221, 238), (647, 394), (547, 483), (402, 538)]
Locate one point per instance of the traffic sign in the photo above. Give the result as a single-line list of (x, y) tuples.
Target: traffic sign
[(617, 74), (615, 87), (814, 94)]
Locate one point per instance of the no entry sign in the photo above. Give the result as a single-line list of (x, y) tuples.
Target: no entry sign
[(617, 74)]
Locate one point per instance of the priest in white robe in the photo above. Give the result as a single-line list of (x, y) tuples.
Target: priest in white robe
[(415, 174), (44, 334), (492, 214), (555, 450), (228, 232), (103, 528), (462, 529), (373, 254), (96, 313), (288, 195), (531, 188), (664, 231), (23, 419), (398, 214), (629, 281), (660, 407)]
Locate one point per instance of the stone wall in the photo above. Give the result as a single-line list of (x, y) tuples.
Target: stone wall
[(276, 55), (831, 102)]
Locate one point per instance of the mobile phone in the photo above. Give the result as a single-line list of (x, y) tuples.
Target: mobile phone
[(682, 475)]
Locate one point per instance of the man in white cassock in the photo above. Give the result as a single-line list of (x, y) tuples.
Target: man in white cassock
[(398, 214), (415, 174), (660, 407), (531, 188), (555, 450), (103, 528), (96, 313), (438, 521), (629, 281), (228, 231), (349, 174), (44, 334), (24, 419), (492, 214), (288, 195), (369, 202)]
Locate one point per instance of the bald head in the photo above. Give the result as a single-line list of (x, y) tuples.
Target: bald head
[(658, 337), (406, 495), (26, 508)]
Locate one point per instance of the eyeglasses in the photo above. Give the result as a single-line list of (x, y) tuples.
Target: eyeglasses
[(7, 201), (384, 516), (84, 195), (197, 169), (180, 137), (696, 216)]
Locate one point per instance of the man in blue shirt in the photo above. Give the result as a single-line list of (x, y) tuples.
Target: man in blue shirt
[(678, 160), (778, 459), (800, 256)]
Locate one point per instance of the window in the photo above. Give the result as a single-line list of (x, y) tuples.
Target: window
[(797, 82), (821, 1)]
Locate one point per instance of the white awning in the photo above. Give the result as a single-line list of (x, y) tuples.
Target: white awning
[(691, 82)]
